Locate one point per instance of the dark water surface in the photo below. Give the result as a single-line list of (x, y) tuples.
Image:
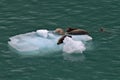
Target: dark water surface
[(100, 62)]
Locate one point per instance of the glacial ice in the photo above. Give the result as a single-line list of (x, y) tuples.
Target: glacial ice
[(44, 41)]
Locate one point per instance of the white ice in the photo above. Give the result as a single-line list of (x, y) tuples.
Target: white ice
[(43, 41), (72, 46)]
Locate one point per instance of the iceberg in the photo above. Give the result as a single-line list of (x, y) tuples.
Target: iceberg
[(44, 41)]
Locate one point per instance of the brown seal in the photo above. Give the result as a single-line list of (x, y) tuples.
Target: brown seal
[(60, 41), (75, 31), (70, 29), (59, 31)]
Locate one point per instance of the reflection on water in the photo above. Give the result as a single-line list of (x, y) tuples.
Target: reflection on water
[(74, 57)]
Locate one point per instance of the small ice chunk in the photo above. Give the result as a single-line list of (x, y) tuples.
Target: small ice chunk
[(42, 33), (44, 41), (72, 46)]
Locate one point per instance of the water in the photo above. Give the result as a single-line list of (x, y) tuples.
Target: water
[(100, 62)]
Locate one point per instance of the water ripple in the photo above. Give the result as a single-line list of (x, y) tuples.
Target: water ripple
[(102, 62)]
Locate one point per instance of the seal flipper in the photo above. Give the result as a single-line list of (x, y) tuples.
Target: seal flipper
[(60, 41)]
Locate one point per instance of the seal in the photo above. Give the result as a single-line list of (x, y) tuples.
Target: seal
[(70, 29), (59, 31), (76, 31), (60, 41)]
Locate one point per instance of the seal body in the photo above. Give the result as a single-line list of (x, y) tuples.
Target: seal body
[(75, 31), (70, 29)]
